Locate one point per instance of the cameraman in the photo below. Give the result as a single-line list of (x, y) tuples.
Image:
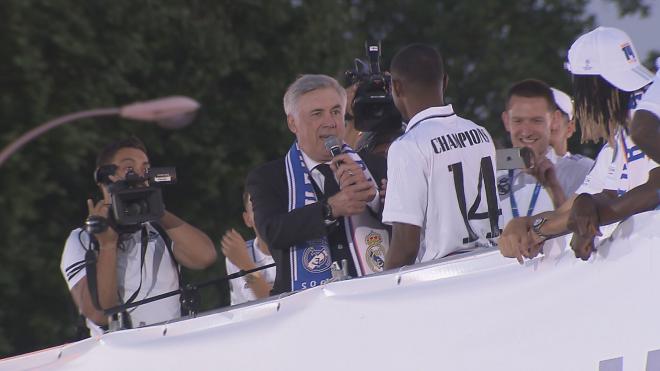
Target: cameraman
[(130, 262), (370, 109)]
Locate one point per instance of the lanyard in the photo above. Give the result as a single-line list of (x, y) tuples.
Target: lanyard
[(532, 202)]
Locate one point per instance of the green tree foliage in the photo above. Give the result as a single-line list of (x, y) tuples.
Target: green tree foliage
[(630, 7), (487, 45), (236, 59), (63, 56)]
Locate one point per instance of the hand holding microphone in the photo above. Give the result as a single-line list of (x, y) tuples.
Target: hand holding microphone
[(346, 170), (355, 189)]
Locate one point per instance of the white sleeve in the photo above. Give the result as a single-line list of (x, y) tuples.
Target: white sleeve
[(72, 264), (597, 179), (407, 185)]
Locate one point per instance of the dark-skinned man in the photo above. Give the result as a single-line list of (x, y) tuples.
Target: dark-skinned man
[(607, 77), (441, 196)]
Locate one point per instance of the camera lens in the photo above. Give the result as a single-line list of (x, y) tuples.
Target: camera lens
[(138, 207)]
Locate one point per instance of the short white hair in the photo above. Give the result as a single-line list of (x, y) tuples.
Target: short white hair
[(306, 83)]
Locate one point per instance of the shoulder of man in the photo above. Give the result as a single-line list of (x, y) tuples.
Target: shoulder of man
[(269, 167), (73, 256), (266, 173), (78, 239), (576, 163)]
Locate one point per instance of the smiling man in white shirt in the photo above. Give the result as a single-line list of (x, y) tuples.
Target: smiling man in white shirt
[(529, 118)]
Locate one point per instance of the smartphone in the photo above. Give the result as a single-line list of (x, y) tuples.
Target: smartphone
[(514, 158)]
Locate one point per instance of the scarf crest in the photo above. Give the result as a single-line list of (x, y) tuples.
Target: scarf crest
[(310, 260)]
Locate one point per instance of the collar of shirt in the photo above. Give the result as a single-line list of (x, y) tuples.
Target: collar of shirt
[(316, 175), (432, 111), (552, 155)]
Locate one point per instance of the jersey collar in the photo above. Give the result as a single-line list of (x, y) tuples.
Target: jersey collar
[(432, 111)]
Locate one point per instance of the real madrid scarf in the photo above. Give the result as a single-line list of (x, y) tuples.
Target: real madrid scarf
[(310, 260)]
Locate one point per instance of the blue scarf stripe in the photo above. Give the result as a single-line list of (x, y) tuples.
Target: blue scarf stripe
[(310, 260), (349, 150)]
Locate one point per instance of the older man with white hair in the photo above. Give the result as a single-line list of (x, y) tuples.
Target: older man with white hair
[(311, 207), (607, 78)]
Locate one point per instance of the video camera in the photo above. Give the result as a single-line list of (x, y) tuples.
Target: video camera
[(136, 199), (373, 107)]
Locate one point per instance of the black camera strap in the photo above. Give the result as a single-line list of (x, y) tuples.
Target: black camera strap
[(144, 242), (168, 244), (90, 265)]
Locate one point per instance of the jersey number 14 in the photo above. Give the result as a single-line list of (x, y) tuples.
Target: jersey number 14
[(487, 178)]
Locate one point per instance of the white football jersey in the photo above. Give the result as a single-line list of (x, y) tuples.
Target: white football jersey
[(239, 289), (631, 165), (620, 168), (441, 178), (156, 275), (594, 182)]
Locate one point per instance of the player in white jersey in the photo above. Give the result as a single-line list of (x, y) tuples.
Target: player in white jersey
[(606, 76), (441, 195)]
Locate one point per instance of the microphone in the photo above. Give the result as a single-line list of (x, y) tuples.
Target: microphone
[(333, 145)]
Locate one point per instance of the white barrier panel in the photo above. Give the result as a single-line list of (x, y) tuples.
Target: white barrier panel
[(481, 312)]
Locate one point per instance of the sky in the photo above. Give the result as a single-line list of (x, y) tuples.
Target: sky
[(644, 32)]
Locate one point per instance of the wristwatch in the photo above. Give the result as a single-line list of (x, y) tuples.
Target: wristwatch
[(536, 227), (327, 212)]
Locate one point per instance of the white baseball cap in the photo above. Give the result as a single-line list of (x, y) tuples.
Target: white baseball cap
[(564, 102), (610, 53)]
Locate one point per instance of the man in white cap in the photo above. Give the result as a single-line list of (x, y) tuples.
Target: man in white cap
[(564, 130), (606, 76)]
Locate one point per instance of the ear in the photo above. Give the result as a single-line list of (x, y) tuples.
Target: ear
[(505, 120), (247, 220), (570, 129), (445, 82), (397, 88), (290, 121)]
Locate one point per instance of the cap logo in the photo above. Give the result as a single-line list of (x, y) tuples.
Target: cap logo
[(587, 65), (628, 52)]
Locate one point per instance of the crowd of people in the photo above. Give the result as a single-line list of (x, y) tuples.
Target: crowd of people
[(435, 190)]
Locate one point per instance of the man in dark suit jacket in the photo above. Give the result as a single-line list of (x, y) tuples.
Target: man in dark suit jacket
[(315, 107)]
